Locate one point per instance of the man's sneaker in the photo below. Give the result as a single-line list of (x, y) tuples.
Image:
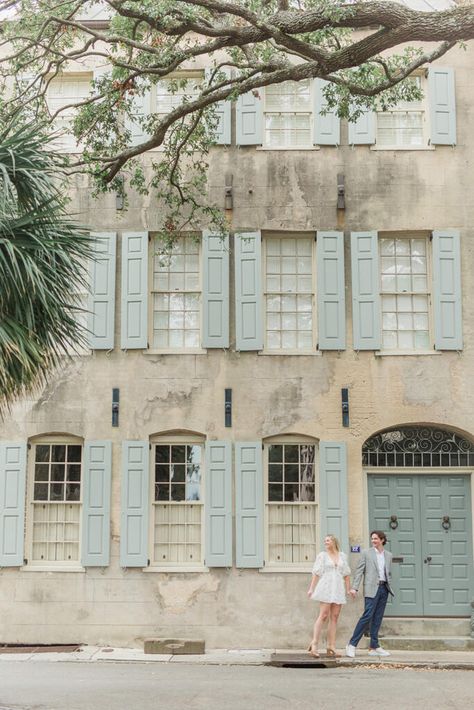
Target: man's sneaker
[(350, 651), (379, 651)]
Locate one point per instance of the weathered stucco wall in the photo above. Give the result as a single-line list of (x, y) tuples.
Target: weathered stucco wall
[(279, 190)]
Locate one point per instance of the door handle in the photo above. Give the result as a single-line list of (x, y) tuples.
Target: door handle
[(427, 559)]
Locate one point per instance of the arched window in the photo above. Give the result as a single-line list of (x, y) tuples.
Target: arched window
[(414, 446)]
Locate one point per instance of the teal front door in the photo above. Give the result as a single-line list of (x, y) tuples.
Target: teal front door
[(428, 523)]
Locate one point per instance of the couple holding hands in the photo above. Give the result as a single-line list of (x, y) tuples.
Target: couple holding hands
[(330, 584)]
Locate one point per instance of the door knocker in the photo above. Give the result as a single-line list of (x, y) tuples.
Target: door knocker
[(393, 522), (446, 523)]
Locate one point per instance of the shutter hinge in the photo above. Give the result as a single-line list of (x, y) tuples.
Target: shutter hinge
[(317, 346), (263, 446), (316, 237), (148, 563), (431, 236), (149, 237), (25, 561), (28, 446), (149, 446)]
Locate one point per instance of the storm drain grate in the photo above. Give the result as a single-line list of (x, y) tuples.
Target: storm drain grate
[(299, 660)]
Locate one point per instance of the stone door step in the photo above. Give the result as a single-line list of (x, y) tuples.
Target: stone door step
[(428, 643)]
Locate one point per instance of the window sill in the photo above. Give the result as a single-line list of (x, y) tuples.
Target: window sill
[(300, 353), (286, 570), (409, 353), (402, 147), (180, 351), (174, 568), (289, 148), (52, 568)]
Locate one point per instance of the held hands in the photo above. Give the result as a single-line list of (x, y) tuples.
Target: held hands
[(352, 593)]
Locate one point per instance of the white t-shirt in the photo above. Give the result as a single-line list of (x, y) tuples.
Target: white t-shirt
[(381, 565)]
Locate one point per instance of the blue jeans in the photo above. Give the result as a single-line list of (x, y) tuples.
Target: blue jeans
[(373, 615)]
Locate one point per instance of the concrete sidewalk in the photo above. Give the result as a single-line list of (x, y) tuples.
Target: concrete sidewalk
[(228, 657)]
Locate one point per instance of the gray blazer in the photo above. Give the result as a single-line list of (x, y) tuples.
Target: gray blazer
[(368, 569)]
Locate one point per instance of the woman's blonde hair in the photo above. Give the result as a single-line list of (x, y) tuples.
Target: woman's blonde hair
[(335, 541)]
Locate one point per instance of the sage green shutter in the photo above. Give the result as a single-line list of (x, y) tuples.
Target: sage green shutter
[(333, 503), (218, 504), (362, 131), (442, 105), (134, 290), (215, 254), (249, 116), (248, 291), (12, 503), (135, 501), (365, 291), (96, 487), (141, 108), (447, 295), (331, 291), (249, 504), (327, 127), (223, 112), (101, 308)]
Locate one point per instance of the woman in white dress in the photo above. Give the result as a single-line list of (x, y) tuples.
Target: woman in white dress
[(329, 585)]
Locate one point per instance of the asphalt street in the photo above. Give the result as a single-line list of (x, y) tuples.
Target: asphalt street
[(125, 686)]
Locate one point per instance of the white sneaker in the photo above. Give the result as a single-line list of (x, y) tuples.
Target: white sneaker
[(350, 651), (379, 651)]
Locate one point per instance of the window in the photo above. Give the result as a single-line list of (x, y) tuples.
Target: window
[(177, 503), (289, 293), (171, 93), (55, 495), (405, 293), (176, 295), (405, 125), (288, 115), (63, 91), (291, 503)]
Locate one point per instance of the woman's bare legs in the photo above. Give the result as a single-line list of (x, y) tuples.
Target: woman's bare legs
[(324, 612), (334, 611)]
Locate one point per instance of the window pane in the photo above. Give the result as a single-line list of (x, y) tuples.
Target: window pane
[(42, 452), (275, 453), (41, 472), (58, 453), (275, 473), (291, 453), (41, 491)]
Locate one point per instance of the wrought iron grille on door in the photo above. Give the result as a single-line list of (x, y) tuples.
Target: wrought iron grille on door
[(417, 446)]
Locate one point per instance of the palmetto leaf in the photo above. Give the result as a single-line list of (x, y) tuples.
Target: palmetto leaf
[(43, 265)]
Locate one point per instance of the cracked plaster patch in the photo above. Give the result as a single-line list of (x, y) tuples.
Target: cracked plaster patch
[(176, 596)]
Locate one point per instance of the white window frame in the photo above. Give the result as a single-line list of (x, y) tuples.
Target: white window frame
[(154, 236), (50, 565), (66, 76), (173, 76), (295, 351), (287, 566), (172, 566), (311, 145), (412, 351), (425, 107)]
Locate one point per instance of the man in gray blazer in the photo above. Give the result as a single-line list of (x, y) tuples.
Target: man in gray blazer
[(375, 565)]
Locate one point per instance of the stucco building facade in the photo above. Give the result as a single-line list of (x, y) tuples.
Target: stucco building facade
[(136, 503)]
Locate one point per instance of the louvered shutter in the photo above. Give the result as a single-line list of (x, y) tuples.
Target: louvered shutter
[(249, 504), (362, 131), (141, 108), (215, 254), (333, 499), (327, 129), (248, 291), (12, 503), (135, 500), (442, 105), (218, 504), (223, 113), (134, 290), (365, 291), (96, 489), (249, 115), (331, 291), (101, 307), (447, 295)]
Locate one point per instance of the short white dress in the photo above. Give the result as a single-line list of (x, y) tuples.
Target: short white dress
[(330, 588)]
